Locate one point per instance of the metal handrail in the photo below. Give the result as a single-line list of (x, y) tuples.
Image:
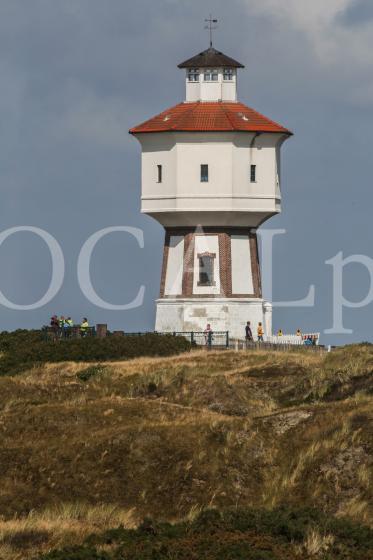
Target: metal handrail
[(67, 333)]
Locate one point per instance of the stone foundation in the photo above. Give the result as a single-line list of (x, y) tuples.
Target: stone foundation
[(189, 314)]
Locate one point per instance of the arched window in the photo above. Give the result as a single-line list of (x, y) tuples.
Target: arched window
[(206, 269)]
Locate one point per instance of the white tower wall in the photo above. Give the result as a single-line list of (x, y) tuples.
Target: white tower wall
[(229, 196), (189, 314), (219, 90)]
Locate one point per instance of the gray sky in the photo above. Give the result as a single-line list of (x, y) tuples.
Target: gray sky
[(77, 74)]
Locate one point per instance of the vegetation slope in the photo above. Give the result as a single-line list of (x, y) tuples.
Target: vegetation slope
[(277, 445)]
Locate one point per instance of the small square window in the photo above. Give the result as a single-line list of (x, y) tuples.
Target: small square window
[(228, 74), (159, 174), (210, 75), (193, 75), (253, 173), (204, 173)]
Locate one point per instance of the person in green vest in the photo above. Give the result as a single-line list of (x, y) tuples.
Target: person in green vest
[(61, 325), (68, 327), (84, 326)]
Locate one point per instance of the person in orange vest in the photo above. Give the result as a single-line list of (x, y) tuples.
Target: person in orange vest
[(260, 332)]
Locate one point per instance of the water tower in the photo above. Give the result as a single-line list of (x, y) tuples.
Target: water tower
[(211, 177)]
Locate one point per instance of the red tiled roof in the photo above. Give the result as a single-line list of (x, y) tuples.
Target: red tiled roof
[(209, 117)]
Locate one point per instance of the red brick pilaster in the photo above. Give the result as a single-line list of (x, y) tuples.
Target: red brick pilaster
[(255, 267), (164, 262), (188, 270), (225, 264)]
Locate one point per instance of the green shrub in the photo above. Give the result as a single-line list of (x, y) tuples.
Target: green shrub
[(245, 534), (23, 349), (77, 553), (91, 371)]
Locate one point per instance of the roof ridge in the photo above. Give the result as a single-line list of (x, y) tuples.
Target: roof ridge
[(262, 115), (184, 114), (226, 113)]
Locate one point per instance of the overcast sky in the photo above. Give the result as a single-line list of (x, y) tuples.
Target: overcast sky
[(77, 74)]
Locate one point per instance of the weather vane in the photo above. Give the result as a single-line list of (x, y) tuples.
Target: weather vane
[(210, 26)]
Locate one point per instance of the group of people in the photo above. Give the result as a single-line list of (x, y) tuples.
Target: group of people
[(260, 333), (64, 325), (249, 333), (298, 333)]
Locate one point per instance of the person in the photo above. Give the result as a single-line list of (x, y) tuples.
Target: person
[(260, 332), (84, 326), (279, 332), (298, 333), (61, 326), (208, 334), (54, 326), (248, 332), (308, 341), (54, 323), (68, 327)]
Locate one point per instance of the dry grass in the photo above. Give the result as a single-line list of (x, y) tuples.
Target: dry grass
[(315, 544), (67, 523), (169, 437), (330, 462)]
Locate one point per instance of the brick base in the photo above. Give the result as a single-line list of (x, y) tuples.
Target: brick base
[(225, 261)]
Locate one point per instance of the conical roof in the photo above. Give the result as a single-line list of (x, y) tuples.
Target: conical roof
[(210, 58)]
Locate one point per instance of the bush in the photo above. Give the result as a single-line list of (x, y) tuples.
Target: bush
[(24, 349), (77, 553), (91, 371), (246, 534)]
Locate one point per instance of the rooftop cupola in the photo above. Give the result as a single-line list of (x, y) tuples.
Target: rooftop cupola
[(211, 76)]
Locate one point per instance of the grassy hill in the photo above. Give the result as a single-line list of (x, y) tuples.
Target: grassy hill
[(264, 437)]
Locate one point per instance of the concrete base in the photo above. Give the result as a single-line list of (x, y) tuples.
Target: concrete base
[(192, 314)]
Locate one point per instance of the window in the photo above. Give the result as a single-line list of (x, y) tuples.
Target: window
[(210, 75), (228, 74), (206, 269), (159, 174), (204, 173), (193, 75), (253, 173)]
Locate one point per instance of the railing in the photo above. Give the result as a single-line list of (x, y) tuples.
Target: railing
[(210, 339), (308, 339), (67, 333), (275, 347), (216, 339)]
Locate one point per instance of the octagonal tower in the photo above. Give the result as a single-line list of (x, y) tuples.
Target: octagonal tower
[(211, 177)]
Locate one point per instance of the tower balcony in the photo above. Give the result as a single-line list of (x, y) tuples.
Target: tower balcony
[(192, 211)]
